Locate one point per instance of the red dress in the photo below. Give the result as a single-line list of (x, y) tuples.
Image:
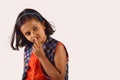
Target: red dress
[(35, 71)]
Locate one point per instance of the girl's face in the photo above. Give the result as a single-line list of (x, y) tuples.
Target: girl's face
[(33, 29)]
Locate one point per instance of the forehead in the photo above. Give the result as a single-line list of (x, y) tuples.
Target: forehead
[(29, 24)]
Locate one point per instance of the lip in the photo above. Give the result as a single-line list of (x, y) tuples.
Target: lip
[(37, 37)]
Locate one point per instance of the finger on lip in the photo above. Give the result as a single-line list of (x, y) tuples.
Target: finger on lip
[(34, 40)]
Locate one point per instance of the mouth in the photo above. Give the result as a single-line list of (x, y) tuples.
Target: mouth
[(37, 37)]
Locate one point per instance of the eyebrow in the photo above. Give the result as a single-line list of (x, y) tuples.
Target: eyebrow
[(35, 25)]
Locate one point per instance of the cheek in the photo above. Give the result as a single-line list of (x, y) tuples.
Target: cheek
[(29, 39), (43, 33)]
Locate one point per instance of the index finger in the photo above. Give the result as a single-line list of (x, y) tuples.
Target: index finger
[(36, 42)]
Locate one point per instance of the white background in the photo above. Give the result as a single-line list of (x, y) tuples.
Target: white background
[(90, 29)]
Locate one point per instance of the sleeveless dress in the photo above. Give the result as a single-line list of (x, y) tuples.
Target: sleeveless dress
[(32, 66)]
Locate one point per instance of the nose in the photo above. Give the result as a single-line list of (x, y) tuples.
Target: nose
[(33, 35)]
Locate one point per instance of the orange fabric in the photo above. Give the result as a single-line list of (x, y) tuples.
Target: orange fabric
[(35, 71)]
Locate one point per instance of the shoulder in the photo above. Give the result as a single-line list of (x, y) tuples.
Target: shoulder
[(61, 50), (60, 46)]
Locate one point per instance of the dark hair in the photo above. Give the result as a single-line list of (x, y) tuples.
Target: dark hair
[(18, 39)]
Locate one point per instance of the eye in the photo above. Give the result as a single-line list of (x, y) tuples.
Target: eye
[(27, 33), (35, 28)]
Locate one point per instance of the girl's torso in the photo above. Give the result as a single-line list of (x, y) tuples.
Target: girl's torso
[(34, 70)]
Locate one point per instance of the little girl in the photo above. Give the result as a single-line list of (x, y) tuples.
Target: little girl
[(45, 58)]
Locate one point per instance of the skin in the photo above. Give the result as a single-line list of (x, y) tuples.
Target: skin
[(33, 31)]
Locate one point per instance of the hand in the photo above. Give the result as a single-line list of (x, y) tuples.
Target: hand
[(37, 48)]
